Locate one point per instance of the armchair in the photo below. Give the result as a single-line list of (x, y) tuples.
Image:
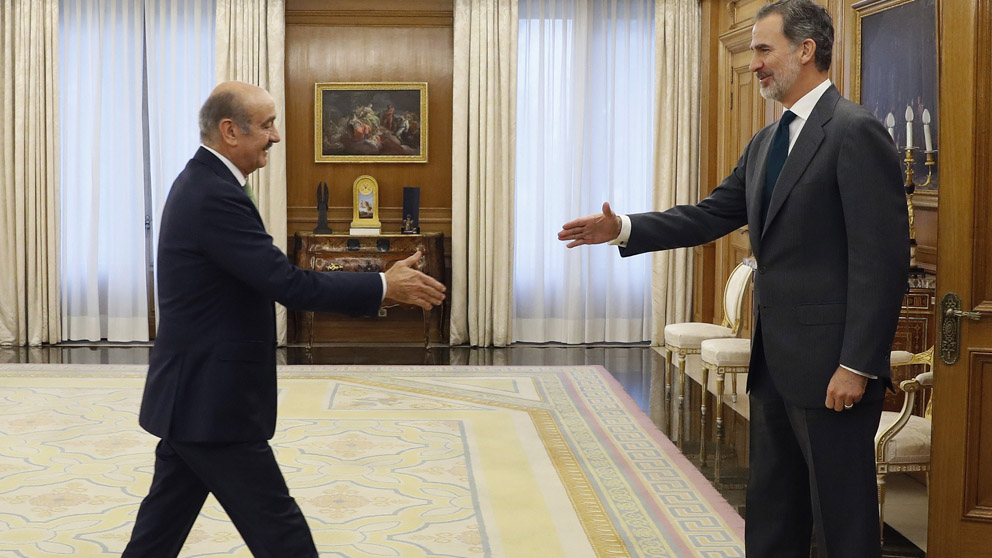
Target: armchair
[(902, 443)]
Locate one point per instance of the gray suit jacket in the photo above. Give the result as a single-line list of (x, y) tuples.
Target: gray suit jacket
[(833, 251)]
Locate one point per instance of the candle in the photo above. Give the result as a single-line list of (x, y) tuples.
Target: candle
[(890, 123), (926, 130), (909, 127)]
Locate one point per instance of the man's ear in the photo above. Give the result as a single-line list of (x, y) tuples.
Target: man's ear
[(228, 134), (808, 51)]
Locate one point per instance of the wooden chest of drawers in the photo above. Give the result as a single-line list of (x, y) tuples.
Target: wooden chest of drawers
[(340, 252)]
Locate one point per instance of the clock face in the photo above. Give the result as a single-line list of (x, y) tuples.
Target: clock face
[(365, 187)]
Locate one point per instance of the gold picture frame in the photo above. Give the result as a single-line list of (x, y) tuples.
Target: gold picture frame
[(370, 122), (366, 204)]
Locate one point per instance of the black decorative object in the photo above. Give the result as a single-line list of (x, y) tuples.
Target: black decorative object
[(411, 210), (322, 197)]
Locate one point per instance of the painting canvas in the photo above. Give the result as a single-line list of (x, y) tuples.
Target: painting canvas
[(370, 122), (898, 69)]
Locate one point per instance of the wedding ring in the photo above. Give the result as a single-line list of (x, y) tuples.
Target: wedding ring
[(848, 406)]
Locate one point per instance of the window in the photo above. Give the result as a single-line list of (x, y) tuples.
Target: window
[(132, 76)]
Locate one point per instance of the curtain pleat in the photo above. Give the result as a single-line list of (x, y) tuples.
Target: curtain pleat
[(483, 134), (677, 157), (251, 42), (29, 172)]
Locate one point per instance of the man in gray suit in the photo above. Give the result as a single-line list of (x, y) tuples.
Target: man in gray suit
[(821, 193)]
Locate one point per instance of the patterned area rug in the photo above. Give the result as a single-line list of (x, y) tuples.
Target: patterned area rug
[(385, 461)]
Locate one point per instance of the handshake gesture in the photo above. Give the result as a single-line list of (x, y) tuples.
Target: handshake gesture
[(594, 229), (409, 286)]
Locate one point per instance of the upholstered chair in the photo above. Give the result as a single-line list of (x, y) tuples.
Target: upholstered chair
[(723, 356), (902, 443), (684, 339)]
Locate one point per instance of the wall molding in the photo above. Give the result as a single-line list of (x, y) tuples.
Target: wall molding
[(370, 18)]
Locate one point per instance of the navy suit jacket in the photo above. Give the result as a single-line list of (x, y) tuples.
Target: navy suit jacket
[(832, 252), (212, 372)]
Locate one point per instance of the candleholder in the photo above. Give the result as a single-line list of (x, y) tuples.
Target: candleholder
[(911, 186)]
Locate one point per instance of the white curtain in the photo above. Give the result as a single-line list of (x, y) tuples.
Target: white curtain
[(104, 286), (251, 40), (483, 135), (131, 82), (29, 289), (179, 65), (585, 135), (677, 156)]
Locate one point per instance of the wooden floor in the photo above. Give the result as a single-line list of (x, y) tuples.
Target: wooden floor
[(723, 461)]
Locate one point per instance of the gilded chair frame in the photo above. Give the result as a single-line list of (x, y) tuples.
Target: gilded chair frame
[(911, 388)]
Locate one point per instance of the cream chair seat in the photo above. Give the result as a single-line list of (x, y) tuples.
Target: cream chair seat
[(723, 356), (684, 339), (902, 443)]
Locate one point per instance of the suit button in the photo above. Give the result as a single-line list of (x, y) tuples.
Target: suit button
[(761, 269)]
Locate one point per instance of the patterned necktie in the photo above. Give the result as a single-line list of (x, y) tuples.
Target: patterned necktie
[(777, 155), (251, 193)]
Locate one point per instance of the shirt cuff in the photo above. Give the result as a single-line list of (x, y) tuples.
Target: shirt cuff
[(859, 373), (624, 236), (383, 277)]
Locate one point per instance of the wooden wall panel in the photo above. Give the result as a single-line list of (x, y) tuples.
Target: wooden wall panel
[(978, 477), (327, 52), (349, 40)]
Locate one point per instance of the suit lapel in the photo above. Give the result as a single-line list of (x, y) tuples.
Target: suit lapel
[(802, 153)]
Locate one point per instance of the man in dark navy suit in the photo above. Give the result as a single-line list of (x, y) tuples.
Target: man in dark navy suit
[(210, 394), (821, 194)]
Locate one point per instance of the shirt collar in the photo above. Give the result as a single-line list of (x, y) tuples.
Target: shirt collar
[(804, 106), (238, 175)]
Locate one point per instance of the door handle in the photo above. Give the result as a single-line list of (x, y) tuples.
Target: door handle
[(950, 327), (952, 313)]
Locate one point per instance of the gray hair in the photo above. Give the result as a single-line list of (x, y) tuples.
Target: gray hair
[(805, 19), (217, 107)]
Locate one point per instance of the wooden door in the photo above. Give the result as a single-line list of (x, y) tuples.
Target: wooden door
[(961, 480), (742, 115)]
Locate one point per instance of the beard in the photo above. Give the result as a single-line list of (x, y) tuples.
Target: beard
[(781, 82)]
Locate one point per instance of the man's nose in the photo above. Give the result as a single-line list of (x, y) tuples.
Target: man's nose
[(755, 64), (274, 135)]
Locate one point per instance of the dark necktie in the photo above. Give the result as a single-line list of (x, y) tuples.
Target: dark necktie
[(777, 155)]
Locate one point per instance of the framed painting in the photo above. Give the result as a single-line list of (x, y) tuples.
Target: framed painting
[(383, 122), (896, 74)]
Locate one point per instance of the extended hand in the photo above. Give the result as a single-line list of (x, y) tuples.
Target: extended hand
[(846, 388), (407, 285), (594, 229)]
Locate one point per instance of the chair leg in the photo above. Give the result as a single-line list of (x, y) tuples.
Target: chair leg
[(668, 373), (706, 383), (880, 481), (719, 400), (733, 384), (681, 361)]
